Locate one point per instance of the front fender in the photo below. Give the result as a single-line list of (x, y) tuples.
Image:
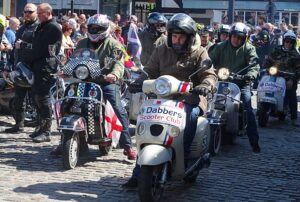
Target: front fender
[(154, 155)]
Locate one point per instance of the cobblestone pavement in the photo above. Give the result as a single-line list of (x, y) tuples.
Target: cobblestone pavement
[(29, 173)]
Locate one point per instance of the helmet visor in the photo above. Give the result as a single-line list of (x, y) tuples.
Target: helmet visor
[(94, 29)]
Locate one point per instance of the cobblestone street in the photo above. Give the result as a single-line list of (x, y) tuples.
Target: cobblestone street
[(29, 173)]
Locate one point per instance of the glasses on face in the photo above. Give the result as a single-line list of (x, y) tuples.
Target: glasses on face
[(288, 41), (28, 12)]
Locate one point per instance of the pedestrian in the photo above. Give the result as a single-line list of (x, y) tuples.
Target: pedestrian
[(22, 53), (10, 32), (48, 36)]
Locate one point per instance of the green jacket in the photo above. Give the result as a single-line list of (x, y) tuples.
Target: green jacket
[(285, 60), (111, 48), (149, 43), (235, 59)]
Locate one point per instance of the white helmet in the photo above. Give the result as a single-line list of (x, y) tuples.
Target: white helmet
[(98, 27)]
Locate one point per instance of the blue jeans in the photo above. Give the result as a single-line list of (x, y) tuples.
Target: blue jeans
[(111, 92), (192, 114), (252, 131)]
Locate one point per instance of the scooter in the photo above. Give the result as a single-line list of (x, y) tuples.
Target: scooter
[(226, 108), (159, 135), (84, 117), (270, 95)]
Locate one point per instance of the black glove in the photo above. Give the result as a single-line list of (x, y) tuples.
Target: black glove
[(200, 90), (135, 87), (248, 77)]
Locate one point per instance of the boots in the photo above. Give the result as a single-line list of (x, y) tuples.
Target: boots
[(19, 126), (44, 133), (130, 153), (37, 128)]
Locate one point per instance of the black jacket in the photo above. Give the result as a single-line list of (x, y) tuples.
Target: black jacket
[(25, 33)]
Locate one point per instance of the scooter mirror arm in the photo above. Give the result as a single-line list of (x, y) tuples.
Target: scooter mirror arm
[(250, 65)]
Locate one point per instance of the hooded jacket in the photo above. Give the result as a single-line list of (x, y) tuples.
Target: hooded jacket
[(165, 61)]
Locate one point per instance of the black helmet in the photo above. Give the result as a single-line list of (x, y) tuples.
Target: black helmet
[(157, 23), (224, 28), (22, 76), (183, 24)]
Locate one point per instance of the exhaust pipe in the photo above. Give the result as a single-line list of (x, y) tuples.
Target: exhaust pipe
[(202, 162)]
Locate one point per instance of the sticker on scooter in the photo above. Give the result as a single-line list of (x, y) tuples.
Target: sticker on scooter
[(271, 87)]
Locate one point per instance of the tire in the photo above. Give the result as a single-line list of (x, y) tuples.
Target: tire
[(263, 117), (215, 140), (149, 187), (105, 150), (70, 149)]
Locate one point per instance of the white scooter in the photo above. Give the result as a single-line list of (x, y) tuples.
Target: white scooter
[(160, 136), (270, 95)]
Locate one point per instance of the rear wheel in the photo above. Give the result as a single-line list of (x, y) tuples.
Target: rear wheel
[(70, 149), (215, 140), (149, 186)]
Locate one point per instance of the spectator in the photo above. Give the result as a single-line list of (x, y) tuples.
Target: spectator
[(81, 19), (81, 34), (283, 28), (117, 19), (261, 21), (118, 35), (130, 19), (67, 43), (10, 32)]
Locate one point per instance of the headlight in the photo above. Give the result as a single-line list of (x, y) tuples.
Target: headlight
[(82, 72), (162, 87), (141, 128), (173, 131), (273, 70), (226, 90), (223, 73)]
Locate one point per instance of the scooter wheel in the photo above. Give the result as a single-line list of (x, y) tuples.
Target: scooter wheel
[(215, 140)]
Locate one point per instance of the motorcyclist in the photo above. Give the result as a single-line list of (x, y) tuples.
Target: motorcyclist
[(287, 58), (223, 35), (180, 57), (205, 35), (99, 39), (23, 51), (153, 35), (235, 54)]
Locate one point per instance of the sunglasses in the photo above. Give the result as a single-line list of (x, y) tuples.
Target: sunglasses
[(287, 41), (30, 12)]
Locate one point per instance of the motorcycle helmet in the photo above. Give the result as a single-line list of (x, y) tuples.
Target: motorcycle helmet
[(224, 28), (239, 29), (181, 24), (289, 35), (98, 27), (156, 23), (22, 76)]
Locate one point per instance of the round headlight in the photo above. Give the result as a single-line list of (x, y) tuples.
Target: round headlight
[(226, 90), (82, 72), (162, 87), (223, 73), (173, 131), (141, 128), (273, 70)]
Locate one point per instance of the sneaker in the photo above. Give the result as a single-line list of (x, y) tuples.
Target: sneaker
[(57, 151), (255, 148), (130, 153), (131, 183), (42, 138), (14, 129), (35, 134)]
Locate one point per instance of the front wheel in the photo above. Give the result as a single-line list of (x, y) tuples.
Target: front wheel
[(263, 116), (215, 140), (70, 149), (149, 187)]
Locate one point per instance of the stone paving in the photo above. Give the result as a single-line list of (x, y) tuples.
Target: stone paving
[(29, 173)]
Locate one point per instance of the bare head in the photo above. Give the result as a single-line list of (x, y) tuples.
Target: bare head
[(44, 11)]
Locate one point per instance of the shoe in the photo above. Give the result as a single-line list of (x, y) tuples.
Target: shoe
[(57, 151), (255, 148), (294, 123), (44, 137), (130, 153), (15, 129), (35, 133), (131, 183)]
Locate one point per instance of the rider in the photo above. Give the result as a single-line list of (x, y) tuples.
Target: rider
[(23, 50), (235, 54), (223, 35), (153, 36), (180, 57), (287, 58), (105, 45)]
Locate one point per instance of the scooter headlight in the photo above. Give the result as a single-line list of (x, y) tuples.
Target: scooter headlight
[(173, 131), (162, 87), (141, 128), (223, 73), (226, 90), (82, 72), (273, 70)]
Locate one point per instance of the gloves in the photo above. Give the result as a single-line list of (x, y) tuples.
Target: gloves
[(135, 87), (200, 90)]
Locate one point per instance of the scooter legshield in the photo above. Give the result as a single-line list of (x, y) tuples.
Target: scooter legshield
[(154, 155)]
